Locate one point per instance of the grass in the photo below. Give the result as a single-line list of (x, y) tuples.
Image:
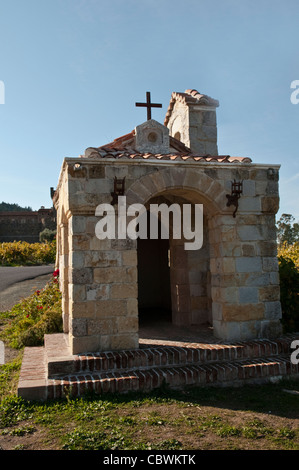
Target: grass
[(260, 417), (247, 418)]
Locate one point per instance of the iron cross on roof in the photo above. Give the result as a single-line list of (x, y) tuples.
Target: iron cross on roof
[(149, 105)]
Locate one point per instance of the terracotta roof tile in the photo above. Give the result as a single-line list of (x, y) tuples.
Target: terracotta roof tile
[(123, 147), (105, 152)]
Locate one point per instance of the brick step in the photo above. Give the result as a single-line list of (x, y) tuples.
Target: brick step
[(61, 363), (221, 374), (51, 372)]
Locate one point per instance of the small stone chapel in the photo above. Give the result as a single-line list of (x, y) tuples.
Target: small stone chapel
[(231, 283)]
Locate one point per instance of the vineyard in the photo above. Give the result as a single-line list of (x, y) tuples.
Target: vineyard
[(23, 253)]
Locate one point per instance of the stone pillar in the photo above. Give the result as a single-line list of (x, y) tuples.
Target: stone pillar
[(63, 263), (245, 283), (103, 290)]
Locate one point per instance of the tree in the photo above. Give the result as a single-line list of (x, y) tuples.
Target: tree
[(287, 230), (6, 206)]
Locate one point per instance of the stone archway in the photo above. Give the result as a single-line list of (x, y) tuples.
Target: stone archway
[(190, 275)]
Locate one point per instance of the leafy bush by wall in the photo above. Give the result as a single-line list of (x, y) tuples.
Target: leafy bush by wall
[(288, 258)]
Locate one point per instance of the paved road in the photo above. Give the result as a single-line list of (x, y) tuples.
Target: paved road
[(12, 275)]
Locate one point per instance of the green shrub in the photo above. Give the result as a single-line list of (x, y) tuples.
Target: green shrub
[(289, 293), (47, 235)]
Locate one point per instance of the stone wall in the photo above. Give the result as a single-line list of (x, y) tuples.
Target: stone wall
[(233, 282)]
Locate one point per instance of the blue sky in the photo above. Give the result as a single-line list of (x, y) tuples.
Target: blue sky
[(73, 70)]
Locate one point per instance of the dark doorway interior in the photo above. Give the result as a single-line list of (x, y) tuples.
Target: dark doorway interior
[(154, 298)]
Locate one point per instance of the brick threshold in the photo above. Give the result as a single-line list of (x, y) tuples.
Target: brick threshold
[(50, 372)]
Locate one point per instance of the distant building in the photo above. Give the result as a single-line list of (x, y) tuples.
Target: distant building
[(26, 225)]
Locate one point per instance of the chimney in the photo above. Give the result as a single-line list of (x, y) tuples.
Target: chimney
[(191, 118)]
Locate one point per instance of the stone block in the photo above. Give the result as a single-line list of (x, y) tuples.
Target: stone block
[(267, 248), (81, 276), (132, 307), (124, 291), (249, 188), (242, 312), (110, 308), (96, 244), (194, 179), (250, 330), (270, 204), (269, 293), (270, 264), (77, 224), (85, 344), (248, 264), (82, 309), (76, 259), (273, 310), (209, 132), (115, 275), (118, 171), (80, 242), (249, 204), (274, 278), (105, 326), (248, 295), (249, 249), (78, 327), (229, 295), (271, 328), (227, 233), (217, 311), (229, 331), (127, 324), (96, 171), (102, 259), (124, 341), (228, 265), (249, 233), (98, 292), (129, 258), (110, 274), (120, 244), (257, 279), (77, 293)]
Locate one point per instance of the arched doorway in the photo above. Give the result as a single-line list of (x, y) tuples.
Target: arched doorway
[(173, 283)]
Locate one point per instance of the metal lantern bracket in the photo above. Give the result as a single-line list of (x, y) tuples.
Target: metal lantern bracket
[(233, 198), (119, 189)]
